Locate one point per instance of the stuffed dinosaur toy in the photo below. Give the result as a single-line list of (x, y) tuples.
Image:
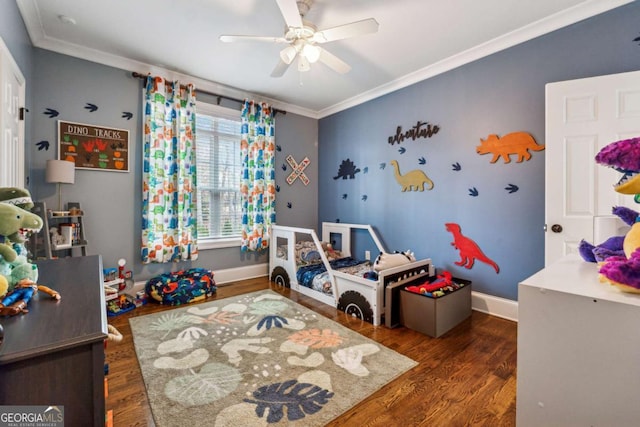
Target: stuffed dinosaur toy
[(19, 276), (613, 246), (622, 270)]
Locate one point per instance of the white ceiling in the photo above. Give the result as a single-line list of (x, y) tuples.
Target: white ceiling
[(416, 40)]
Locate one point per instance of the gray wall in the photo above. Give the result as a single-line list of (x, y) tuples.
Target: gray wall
[(499, 94), (112, 200)]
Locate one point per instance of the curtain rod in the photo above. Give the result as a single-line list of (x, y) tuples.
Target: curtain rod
[(220, 97)]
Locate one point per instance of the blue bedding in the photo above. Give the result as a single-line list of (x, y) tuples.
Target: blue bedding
[(305, 274)]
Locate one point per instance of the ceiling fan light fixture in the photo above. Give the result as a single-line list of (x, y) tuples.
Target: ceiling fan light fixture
[(311, 52), (303, 64), (288, 54)]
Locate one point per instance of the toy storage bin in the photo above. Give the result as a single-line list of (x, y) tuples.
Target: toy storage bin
[(435, 316)]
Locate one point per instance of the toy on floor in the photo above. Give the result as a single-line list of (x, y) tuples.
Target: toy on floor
[(122, 304), (182, 287), (117, 282)]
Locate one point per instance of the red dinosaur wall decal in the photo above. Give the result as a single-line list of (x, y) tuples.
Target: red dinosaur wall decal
[(469, 250)]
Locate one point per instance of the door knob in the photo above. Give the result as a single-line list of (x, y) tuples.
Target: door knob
[(556, 228)]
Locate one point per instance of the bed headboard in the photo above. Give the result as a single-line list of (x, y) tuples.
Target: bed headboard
[(344, 230)]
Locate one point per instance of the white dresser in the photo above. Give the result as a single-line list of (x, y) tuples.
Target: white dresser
[(578, 349)]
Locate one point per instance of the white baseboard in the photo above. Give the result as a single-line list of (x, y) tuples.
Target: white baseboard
[(495, 306), (240, 273)]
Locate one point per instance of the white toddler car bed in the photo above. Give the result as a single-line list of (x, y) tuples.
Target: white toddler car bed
[(297, 260)]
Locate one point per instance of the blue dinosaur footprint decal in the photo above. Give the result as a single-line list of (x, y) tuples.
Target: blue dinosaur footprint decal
[(51, 113), (456, 166), (511, 188), (473, 192), (43, 145)]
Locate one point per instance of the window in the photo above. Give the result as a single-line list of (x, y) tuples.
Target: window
[(218, 166)]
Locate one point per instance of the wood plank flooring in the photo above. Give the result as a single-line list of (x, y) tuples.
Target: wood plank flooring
[(465, 378)]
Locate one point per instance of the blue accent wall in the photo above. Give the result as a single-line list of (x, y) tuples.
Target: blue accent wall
[(499, 94)]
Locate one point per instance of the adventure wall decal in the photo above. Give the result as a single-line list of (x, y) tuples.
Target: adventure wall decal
[(420, 130)]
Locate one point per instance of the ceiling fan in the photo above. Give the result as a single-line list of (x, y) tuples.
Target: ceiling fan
[(303, 38)]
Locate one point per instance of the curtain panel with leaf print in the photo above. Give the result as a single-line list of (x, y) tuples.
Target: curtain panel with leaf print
[(169, 217), (257, 186)]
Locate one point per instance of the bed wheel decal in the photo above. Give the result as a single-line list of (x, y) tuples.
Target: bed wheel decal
[(355, 304), (280, 277)]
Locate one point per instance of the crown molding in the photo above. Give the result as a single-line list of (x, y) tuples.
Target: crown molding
[(544, 26), (585, 10)]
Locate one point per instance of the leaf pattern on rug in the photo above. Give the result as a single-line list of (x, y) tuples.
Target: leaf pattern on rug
[(300, 399), (351, 358), (315, 338), (312, 361), (272, 321), (222, 317), (275, 321), (267, 307), (184, 341), (195, 358), (213, 382), (232, 348), (172, 321)]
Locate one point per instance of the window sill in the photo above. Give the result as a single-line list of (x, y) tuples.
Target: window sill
[(230, 242)]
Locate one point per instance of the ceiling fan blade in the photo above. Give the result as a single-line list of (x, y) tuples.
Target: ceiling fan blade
[(280, 69), (340, 32), (290, 12), (229, 39), (333, 62)]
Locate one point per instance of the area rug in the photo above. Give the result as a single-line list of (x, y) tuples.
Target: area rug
[(256, 359)]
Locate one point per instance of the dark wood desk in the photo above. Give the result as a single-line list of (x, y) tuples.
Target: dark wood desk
[(54, 355)]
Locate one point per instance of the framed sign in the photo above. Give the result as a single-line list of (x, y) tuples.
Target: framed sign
[(94, 147)]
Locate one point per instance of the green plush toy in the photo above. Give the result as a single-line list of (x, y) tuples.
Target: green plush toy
[(17, 275), (14, 223)]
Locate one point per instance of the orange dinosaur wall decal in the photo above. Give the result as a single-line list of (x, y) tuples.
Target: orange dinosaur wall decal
[(518, 143), (469, 250)]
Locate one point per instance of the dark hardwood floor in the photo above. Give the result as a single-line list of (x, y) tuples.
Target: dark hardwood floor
[(467, 377)]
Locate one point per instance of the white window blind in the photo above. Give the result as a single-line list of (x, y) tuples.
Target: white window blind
[(218, 168)]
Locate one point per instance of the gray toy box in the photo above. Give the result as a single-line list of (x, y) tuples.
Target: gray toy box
[(435, 316)]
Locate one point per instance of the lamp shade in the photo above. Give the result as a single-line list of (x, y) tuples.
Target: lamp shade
[(60, 171)]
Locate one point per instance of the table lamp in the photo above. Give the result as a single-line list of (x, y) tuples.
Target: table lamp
[(60, 172)]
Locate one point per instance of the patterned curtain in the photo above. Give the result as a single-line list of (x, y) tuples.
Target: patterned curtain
[(169, 225), (258, 186)]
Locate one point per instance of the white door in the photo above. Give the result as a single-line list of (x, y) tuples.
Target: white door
[(12, 94), (582, 116)]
